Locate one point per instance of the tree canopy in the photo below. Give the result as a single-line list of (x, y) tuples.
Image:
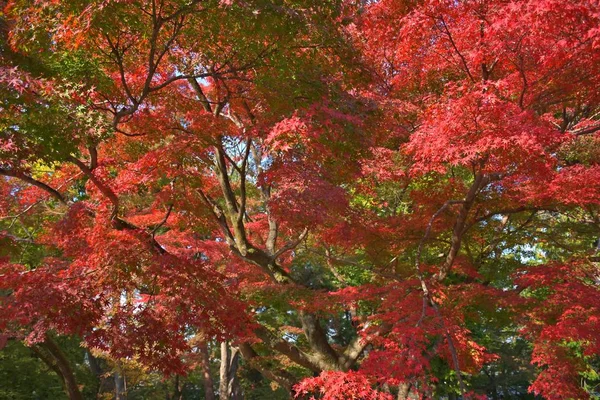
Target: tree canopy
[(330, 199)]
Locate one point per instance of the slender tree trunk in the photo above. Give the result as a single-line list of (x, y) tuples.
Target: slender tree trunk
[(233, 387), (120, 386), (494, 386), (177, 389), (209, 389), (52, 355), (106, 383), (223, 372)]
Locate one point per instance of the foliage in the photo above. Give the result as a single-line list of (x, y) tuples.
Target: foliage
[(313, 199)]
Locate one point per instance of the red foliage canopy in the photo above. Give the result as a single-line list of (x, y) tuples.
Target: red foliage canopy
[(362, 192)]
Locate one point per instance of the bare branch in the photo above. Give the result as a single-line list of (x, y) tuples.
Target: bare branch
[(462, 58), (163, 221), (200, 93), (26, 178), (106, 191), (291, 245), (459, 226), (242, 172), (586, 131)]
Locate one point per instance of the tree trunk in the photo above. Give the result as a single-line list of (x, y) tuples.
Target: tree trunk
[(120, 386), (404, 392), (177, 389), (52, 355), (106, 383), (234, 390), (223, 373), (229, 386), (209, 389)]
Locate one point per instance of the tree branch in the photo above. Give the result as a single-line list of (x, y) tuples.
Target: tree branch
[(586, 131), (26, 178), (282, 377), (291, 245), (459, 226), (462, 58)]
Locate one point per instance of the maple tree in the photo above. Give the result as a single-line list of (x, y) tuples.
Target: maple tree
[(350, 199)]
